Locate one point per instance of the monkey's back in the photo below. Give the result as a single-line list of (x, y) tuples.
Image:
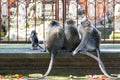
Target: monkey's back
[(72, 39), (55, 38)]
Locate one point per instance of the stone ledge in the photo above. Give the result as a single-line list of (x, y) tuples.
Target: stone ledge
[(25, 48), (24, 51), (35, 61)]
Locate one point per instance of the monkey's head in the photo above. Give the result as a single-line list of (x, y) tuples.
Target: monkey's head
[(70, 21), (33, 32), (86, 25), (54, 23), (33, 35)]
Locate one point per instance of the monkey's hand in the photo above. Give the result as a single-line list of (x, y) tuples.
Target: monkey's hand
[(74, 53)]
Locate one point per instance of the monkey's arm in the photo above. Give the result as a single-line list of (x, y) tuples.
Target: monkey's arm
[(82, 44)]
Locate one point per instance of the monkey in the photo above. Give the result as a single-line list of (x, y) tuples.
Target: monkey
[(34, 40), (90, 42), (61, 39), (71, 35), (54, 42), (90, 37), (5, 25)]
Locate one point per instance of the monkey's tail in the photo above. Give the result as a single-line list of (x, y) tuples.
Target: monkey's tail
[(43, 49), (101, 65), (99, 62), (49, 67), (40, 46)]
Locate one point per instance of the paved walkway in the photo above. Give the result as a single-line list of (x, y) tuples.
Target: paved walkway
[(18, 48), (26, 48)]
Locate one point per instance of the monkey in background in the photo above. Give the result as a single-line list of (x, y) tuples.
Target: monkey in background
[(90, 41), (34, 40), (71, 35)]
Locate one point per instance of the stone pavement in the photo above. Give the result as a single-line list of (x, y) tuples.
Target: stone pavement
[(26, 48), (18, 48)]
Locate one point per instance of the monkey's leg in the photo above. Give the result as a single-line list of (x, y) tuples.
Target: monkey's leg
[(99, 62), (49, 67)]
